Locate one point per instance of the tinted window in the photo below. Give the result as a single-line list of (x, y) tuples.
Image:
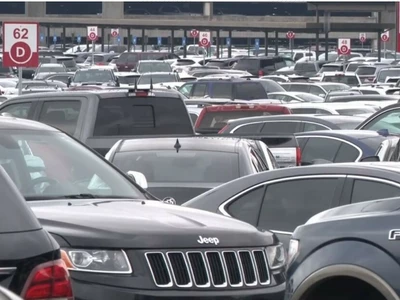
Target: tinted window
[(69, 63), (200, 90), (93, 76), (316, 90), (147, 79), (128, 79), (154, 67), (185, 89), (185, 166), (247, 207), (369, 92), (279, 65), (141, 116), (365, 190), (61, 114), (389, 121), (319, 148), (335, 87), (383, 74), (193, 117), (346, 153), (19, 110), (313, 127), (310, 111), (250, 91), (291, 203), (299, 88), (350, 80), (366, 70), (271, 86), (281, 127), (251, 128), (305, 67), (221, 90)]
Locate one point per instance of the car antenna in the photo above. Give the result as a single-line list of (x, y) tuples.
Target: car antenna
[(177, 146)]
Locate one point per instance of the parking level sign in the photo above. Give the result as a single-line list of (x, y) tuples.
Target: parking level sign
[(184, 41), (228, 41), (257, 42), (20, 44), (134, 40), (159, 42), (78, 39)]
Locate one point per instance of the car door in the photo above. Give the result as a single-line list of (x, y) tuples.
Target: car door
[(24, 110), (364, 188), (290, 202)]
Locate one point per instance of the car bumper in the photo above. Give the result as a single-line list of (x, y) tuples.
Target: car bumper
[(89, 291)]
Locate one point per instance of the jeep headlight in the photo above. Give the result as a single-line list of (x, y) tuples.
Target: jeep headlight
[(97, 261), (293, 250), (276, 256)]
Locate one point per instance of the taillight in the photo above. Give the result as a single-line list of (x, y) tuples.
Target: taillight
[(223, 129), (260, 73), (100, 64), (48, 281), (298, 156)]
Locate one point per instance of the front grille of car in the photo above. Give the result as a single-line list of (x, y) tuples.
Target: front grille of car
[(208, 269)]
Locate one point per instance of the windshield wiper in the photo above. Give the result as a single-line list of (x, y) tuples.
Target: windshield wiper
[(80, 196)]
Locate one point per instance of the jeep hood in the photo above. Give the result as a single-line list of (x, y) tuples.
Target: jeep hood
[(144, 224)]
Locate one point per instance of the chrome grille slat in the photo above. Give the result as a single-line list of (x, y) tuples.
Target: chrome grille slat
[(209, 268)]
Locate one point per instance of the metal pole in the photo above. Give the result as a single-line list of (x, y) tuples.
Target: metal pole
[(93, 53), (204, 56), (379, 46), (102, 40), (291, 47), (184, 46), (317, 36), (276, 43), (266, 44), (129, 39), (20, 81), (230, 44), (384, 50)]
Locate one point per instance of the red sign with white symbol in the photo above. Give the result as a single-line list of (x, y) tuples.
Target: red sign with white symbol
[(344, 47), (290, 35), (385, 36), (114, 32), (194, 33), (20, 44), (92, 33), (205, 39), (363, 37)]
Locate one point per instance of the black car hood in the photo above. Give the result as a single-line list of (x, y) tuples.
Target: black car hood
[(144, 224)]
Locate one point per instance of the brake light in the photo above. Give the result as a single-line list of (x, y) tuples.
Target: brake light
[(48, 281), (223, 129), (141, 94), (100, 64), (260, 73), (298, 156)]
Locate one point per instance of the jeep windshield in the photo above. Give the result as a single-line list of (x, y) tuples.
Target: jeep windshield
[(51, 165)]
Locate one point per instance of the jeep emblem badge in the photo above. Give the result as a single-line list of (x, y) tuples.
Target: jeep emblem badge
[(209, 240)]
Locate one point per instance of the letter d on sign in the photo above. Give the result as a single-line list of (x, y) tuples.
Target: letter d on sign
[(20, 52)]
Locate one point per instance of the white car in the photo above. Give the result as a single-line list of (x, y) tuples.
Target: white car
[(349, 78), (347, 109), (127, 79)]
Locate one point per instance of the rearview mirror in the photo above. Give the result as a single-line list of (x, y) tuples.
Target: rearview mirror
[(370, 158), (139, 178)]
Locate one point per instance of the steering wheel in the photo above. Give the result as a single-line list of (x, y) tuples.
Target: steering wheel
[(40, 180)]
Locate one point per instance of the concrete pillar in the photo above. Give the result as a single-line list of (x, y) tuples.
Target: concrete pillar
[(113, 10), (35, 9), (208, 9)]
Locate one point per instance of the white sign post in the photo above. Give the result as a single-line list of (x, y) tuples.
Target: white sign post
[(20, 46), (385, 38), (204, 41), (363, 38), (92, 35), (344, 46)]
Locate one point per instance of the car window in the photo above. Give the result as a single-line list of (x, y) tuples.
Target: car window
[(256, 162), (346, 153), (19, 110), (369, 92), (247, 207), (200, 90), (297, 56), (279, 65), (319, 148), (350, 80), (291, 203), (316, 111), (389, 120), (185, 89), (281, 127), (365, 190), (299, 88), (314, 127), (61, 114), (250, 128), (193, 117), (250, 91), (221, 90), (316, 90)]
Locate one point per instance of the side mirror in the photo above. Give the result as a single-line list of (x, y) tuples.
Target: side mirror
[(139, 178), (69, 81), (370, 158), (117, 82), (33, 75)]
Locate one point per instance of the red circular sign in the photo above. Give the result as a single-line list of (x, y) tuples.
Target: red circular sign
[(344, 49), (290, 35), (204, 42), (114, 33), (362, 39), (194, 33), (384, 37), (92, 36), (20, 53)]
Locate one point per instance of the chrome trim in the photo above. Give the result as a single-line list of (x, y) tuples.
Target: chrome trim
[(7, 270), (254, 268), (190, 284), (75, 269), (334, 138), (191, 270), (239, 267), (266, 265), (277, 121), (281, 232), (152, 273), (374, 179), (225, 284), (223, 211)]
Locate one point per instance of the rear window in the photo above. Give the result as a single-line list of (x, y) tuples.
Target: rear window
[(69, 63), (127, 79), (147, 79), (331, 68), (215, 63), (352, 67), (366, 70), (244, 64), (383, 74), (142, 116), (307, 67), (184, 166), (218, 119), (350, 80), (154, 67), (335, 87)]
